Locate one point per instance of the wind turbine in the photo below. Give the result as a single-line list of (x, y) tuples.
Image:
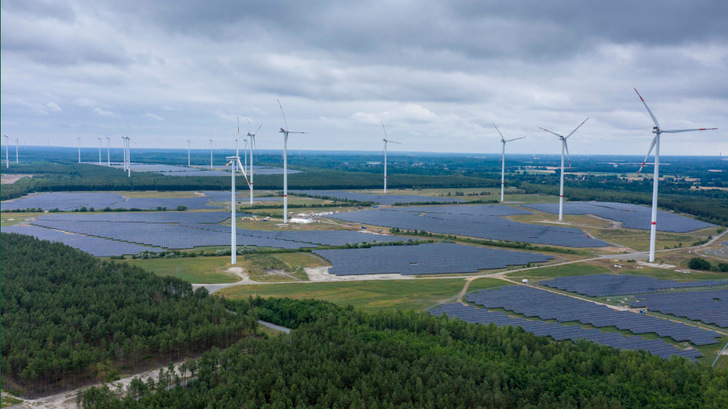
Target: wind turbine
[(656, 177), (127, 155), (564, 146), (252, 146), (79, 149), (7, 157), (188, 152), (16, 149), (386, 141), (235, 161), (210, 154), (99, 151), (503, 158), (108, 151), (285, 133)]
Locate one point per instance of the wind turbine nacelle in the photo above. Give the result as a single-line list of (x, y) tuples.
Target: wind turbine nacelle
[(655, 129), (282, 130)]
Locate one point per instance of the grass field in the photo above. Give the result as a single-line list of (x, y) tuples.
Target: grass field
[(9, 219), (199, 270), (560, 271), (366, 295)]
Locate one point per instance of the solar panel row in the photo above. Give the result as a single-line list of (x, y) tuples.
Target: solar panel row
[(561, 332), (437, 258), (381, 199), (66, 201), (546, 305), (710, 307), (473, 221), (632, 216), (601, 285)]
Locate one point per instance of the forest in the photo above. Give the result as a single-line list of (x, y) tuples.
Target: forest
[(342, 358), (69, 318)]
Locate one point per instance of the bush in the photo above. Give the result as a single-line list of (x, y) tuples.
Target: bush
[(697, 263), (723, 267)]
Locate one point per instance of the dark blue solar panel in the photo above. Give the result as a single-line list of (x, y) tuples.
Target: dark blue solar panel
[(710, 307), (439, 258), (66, 201), (546, 305), (561, 332), (381, 199), (630, 215), (474, 221), (601, 285)]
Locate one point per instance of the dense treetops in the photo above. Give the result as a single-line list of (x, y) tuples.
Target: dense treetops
[(341, 358), (69, 318)]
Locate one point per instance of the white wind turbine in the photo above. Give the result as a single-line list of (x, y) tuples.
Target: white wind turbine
[(108, 151), (7, 156), (251, 136), (565, 147), (503, 158), (386, 141), (235, 161), (656, 177), (188, 152), (79, 149), (127, 155), (16, 149), (99, 151), (285, 133), (210, 154)]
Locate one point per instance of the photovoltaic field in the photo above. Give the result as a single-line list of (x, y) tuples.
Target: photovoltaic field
[(601, 285), (435, 258), (630, 215), (65, 201), (560, 332), (532, 302), (172, 170), (481, 221), (381, 199), (710, 307)]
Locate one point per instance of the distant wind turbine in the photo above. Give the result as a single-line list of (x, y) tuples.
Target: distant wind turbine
[(108, 151), (210, 154), (503, 158), (16, 149), (656, 177), (188, 152), (285, 133), (79, 149), (386, 141), (99, 151), (251, 135), (564, 146)]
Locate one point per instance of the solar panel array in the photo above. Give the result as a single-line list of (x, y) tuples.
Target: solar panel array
[(92, 245), (602, 285), (710, 307), (560, 332), (437, 258), (224, 196), (66, 201), (141, 217), (381, 199), (630, 215), (546, 305), (480, 221)]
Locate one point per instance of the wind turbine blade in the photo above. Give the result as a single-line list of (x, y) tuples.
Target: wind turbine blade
[(560, 136), (283, 113), (689, 130), (654, 141), (242, 169), (648, 109), (566, 146), (514, 139), (575, 129), (256, 131), (499, 132), (385, 130), (238, 123)]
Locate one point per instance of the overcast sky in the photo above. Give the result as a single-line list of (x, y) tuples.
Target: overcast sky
[(437, 73)]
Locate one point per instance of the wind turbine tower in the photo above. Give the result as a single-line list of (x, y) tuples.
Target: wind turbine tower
[(564, 147), (188, 152), (7, 157), (656, 177), (16, 149), (79, 149), (251, 135), (108, 151), (503, 159), (386, 141), (210, 154), (285, 131), (235, 162)]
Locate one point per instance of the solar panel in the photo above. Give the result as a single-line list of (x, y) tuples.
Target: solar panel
[(561, 332), (630, 215), (545, 305), (67, 201), (601, 285), (710, 307)]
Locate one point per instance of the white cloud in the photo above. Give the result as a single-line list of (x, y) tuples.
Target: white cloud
[(153, 116), (102, 112)]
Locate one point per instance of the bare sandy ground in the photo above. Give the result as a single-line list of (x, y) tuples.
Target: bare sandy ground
[(10, 179)]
